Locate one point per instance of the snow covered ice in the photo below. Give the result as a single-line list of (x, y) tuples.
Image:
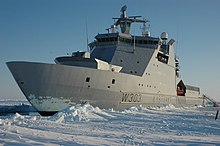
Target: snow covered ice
[(88, 125)]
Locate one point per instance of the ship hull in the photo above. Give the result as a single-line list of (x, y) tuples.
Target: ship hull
[(53, 87)]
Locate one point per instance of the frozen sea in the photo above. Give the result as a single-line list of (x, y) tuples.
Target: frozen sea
[(88, 125)]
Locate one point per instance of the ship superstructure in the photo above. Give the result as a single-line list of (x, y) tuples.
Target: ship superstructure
[(120, 71)]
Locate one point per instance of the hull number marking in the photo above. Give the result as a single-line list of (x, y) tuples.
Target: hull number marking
[(131, 97), (161, 100)]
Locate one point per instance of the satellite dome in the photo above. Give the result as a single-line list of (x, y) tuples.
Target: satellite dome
[(164, 36)]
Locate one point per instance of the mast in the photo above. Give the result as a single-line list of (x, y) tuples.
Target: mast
[(87, 40), (125, 21)]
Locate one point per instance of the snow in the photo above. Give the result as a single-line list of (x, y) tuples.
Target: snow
[(88, 125)]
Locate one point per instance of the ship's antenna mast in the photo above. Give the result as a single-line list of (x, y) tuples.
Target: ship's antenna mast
[(126, 21), (87, 40), (134, 32), (177, 37), (146, 26)]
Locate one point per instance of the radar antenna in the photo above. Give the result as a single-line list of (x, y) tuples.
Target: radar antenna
[(145, 27), (125, 22), (123, 10)]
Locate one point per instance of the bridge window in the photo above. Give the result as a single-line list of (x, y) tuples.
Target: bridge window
[(103, 40), (155, 42), (107, 39), (139, 41), (122, 39), (127, 40)]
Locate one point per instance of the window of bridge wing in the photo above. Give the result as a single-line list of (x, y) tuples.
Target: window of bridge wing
[(108, 39), (124, 40), (121, 39), (102, 39), (111, 39), (128, 40), (150, 42), (135, 41), (116, 39), (155, 42), (139, 41)]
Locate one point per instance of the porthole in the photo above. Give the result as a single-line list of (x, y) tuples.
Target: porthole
[(113, 81), (22, 82)]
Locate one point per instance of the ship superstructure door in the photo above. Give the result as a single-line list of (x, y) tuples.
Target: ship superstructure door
[(181, 89)]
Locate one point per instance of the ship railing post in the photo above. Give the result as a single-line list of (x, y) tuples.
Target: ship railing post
[(216, 116)]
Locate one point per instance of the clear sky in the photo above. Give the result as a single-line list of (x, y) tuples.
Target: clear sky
[(40, 30)]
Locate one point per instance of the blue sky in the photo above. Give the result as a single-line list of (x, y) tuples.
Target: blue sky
[(40, 30)]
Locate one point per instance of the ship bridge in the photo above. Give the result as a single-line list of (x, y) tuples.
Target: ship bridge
[(131, 52)]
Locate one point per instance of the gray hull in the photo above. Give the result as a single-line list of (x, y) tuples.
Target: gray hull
[(52, 87)]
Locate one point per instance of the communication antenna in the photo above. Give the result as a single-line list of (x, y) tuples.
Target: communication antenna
[(134, 32), (123, 10), (177, 39), (135, 20), (87, 40)]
